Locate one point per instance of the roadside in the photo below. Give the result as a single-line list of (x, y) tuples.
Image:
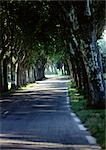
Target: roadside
[(93, 119)]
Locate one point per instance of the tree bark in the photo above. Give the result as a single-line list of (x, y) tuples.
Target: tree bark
[(70, 68), (40, 69), (12, 74), (1, 78), (94, 66), (5, 76), (75, 74), (88, 89), (18, 75)]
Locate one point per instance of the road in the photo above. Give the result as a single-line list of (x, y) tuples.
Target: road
[(40, 119)]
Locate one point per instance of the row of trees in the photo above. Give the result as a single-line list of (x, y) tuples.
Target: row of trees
[(85, 23), (24, 48), (85, 57), (33, 32)]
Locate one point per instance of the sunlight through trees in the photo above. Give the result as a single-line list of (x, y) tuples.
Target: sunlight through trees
[(34, 33)]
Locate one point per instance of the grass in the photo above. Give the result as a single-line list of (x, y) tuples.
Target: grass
[(24, 87), (27, 86), (93, 119)]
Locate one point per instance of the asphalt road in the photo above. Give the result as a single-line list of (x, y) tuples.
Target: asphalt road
[(40, 119)]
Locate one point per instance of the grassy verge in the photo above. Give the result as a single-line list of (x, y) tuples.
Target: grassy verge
[(94, 120), (23, 87), (27, 86)]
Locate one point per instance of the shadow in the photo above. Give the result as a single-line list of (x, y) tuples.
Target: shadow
[(40, 119), (50, 99), (13, 141)]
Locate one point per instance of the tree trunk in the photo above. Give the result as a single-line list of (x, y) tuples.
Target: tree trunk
[(88, 90), (18, 75), (27, 80), (24, 76), (94, 67), (70, 68), (1, 78), (67, 70), (12, 71), (12, 76), (79, 74), (5, 76), (75, 74), (28, 75), (40, 69)]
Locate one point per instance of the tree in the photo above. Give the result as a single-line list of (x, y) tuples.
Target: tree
[(30, 36)]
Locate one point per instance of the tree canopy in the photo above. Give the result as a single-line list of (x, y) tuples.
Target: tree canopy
[(34, 31)]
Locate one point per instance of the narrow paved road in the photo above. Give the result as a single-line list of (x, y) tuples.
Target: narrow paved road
[(40, 119)]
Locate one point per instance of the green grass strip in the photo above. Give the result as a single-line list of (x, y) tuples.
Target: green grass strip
[(93, 119)]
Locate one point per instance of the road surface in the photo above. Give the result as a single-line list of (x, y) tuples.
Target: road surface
[(40, 119)]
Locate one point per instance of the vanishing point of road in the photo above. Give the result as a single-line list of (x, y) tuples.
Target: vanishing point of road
[(41, 119)]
